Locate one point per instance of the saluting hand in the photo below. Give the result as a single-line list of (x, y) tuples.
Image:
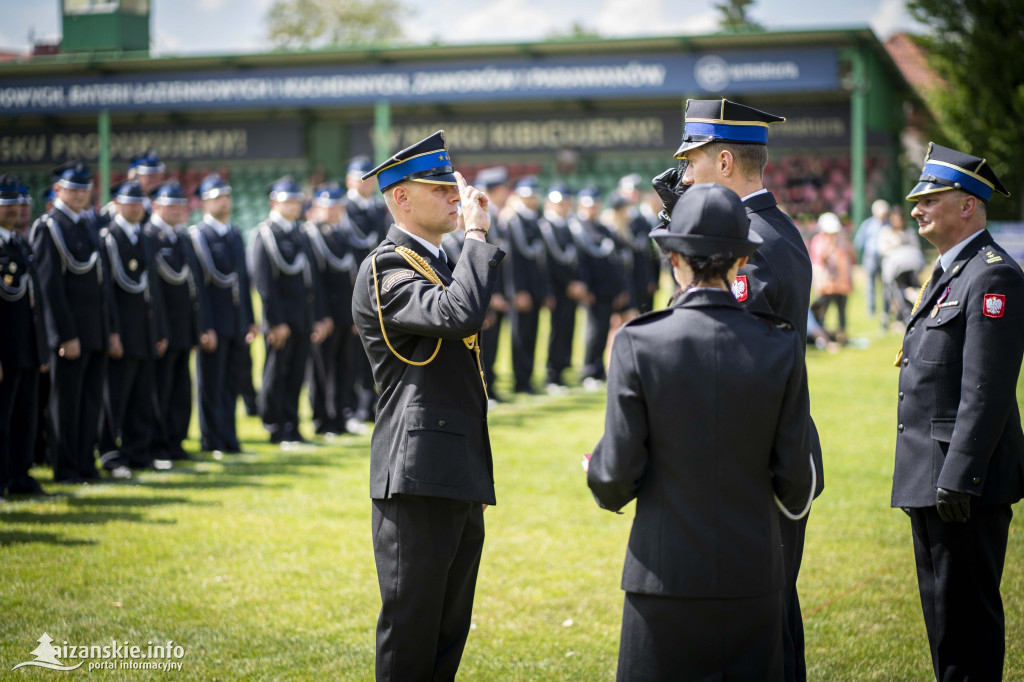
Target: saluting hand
[(476, 220)]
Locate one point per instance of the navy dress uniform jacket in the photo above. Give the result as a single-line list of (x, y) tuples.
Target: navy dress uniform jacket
[(222, 309), (431, 435), (23, 341), (139, 316), (958, 419), (292, 299), (172, 272), (77, 305), (705, 473), (777, 278)]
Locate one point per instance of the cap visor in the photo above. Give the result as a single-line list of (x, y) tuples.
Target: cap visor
[(688, 145), (923, 188), (440, 179)]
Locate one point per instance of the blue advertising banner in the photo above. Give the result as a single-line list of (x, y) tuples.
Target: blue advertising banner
[(607, 76)]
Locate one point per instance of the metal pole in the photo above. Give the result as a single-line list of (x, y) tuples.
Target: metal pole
[(104, 159), (382, 131), (858, 134)]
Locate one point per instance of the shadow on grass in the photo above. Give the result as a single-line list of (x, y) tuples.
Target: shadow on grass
[(83, 517), (127, 501), (17, 537)]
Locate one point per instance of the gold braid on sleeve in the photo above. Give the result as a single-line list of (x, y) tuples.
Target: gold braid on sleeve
[(420, 265)]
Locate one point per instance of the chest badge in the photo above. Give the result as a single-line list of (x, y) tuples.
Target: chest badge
[(133, 265), (739, 288), (995, 305), (13, 267)]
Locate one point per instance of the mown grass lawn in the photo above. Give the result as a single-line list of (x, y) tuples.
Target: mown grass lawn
[(260, 565)]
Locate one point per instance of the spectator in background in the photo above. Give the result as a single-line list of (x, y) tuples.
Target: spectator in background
[(646, 260), (866, 243), (899, 251), (527, 259), (832, 259)]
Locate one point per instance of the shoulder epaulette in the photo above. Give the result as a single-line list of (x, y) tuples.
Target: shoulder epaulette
[(990, 256)]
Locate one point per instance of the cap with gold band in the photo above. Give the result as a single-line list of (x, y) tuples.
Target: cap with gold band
[(721, 120), (945, 169), (426, 161)]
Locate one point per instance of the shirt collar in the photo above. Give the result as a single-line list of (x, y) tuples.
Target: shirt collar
[(436, 250), (164, 226), (763, 190), (218, 227), (285, 225), (947, 258), (354, 196), (130, 229), (5, 235), (66, 210)]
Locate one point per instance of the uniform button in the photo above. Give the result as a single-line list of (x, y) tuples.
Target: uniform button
[(910, 331), (493, 262), (440, 422), (906, 361), (901, 395), (975, 480), (900, 428)]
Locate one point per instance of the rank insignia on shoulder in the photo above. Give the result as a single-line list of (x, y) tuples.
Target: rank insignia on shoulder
[(394, 278), (995, 305), (991, 257), (739, 288)]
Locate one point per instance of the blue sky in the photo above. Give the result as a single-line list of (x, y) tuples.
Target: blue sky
[(216, 26)]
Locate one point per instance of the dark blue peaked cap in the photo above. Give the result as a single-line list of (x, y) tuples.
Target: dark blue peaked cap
[(360, 164), (527, 186), (170, 194), (329, 194), (713, 120), (426, 161), (489, 178), (285, 189), (212, 186), (26, 195), (146, 163), (129, 192), (945, 169), (73, 174), (563, 192), (10, 190)]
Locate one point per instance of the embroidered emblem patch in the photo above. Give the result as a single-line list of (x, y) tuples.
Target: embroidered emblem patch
[(995, 305), (739, 288), (394, 278)]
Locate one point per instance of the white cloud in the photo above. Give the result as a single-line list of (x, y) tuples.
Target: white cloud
[(890, 17), (500, 20), (651, 17)]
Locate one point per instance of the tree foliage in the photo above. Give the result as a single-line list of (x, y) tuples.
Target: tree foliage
[(333, 23), (975, 46), (734, 17)]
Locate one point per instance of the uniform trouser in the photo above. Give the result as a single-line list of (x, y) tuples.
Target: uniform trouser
[(959, 568), (327, 371), (599, 323), (489, 348), (873, 270), (670, 638), (174, 400), (524, 346), (76, 400), (563, 326), (129, 412), (20, 387), (43, 438), (427, 551), (283, 374), (793, 533), (358, 392), (221, 375)]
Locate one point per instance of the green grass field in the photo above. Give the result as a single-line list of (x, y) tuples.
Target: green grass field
[(260, 565)]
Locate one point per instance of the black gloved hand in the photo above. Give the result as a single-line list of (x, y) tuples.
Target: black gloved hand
[(953, 506), (669, 186)]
